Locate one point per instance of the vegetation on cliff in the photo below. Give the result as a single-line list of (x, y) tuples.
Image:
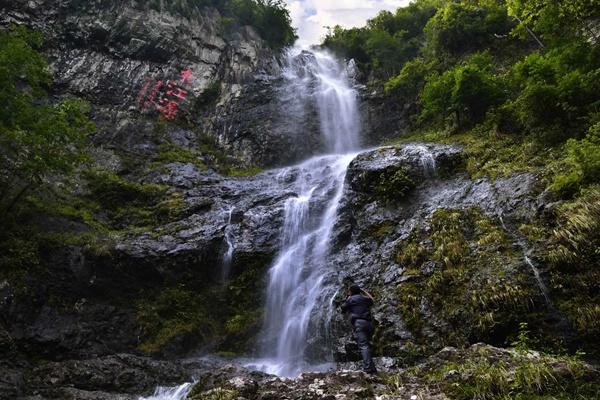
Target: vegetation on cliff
[(270, 17), (517, 83), (503, 66)]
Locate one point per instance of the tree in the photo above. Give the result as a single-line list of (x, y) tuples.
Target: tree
[(388, 41), (407, 85), (557, 92), (558, 19), (37, 138), (349, 43), (466, 91), (460, 27)]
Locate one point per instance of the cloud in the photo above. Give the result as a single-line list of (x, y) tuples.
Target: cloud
[(311, 17)]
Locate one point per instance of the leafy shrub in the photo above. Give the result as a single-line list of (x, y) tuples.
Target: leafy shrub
[(580, 164), (37, 138), (460, 27), (555, 20), (466, 91), (407, 85), (575, 256), (556, 92), (388, 41)]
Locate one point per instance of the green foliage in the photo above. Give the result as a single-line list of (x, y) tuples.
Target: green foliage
[(19, 255), (556, 20), (219, 393), (227, 316), (128, 203), (379, 230), (485, 373), (461, 27), (388, 41), (575, 257), (463, 71), (557, 92), (37, 139), (170, 153), (466, 91), (349, 43), (175, 314), (111, 190), (522, 343), (580, 164), (407, 85)]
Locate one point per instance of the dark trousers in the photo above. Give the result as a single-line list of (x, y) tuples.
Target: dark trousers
[(363, 330)]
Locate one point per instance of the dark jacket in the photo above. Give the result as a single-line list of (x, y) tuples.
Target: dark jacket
[(358, 307)]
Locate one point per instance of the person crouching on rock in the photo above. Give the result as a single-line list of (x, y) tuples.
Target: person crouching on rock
[(358, 309)]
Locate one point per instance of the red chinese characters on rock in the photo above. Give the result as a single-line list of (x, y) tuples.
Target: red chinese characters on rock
[(165, 97)]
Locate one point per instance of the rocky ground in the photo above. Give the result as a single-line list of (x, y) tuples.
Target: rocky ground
[(481, 371)]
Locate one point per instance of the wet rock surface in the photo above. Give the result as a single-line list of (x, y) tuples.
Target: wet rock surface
[(367, 234), (445, 375), (371, 229), (108, 52), (87, 338)]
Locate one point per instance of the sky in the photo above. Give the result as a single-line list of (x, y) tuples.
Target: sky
[(311, 17)]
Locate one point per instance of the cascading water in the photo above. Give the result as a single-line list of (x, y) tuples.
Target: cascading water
[(314, 79), (296, 280), (170, 393), (228, 255)]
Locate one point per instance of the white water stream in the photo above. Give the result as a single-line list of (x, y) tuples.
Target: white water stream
[(229, 240), (296, 279)]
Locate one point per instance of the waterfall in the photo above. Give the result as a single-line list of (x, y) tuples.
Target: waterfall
[(228, 255), (297, 278), (316, 79), (170, 393)]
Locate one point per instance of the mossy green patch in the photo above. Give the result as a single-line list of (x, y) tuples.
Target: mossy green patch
[(112, 190), (243, 172), (129, 204), (379, 230), (218, 393), (489, 153), (488, 375), (392, 186), (574, 257), (227, 316), (474, 287), (176, 313), (170, 153)]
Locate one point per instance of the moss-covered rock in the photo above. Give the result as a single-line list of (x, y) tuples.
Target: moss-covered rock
[(574, 260), (176, 320), (226, 316), (485, 372), (394, 185), (464, 281)]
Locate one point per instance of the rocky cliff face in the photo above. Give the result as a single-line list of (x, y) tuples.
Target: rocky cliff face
[(443, 253), (114, 54)]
